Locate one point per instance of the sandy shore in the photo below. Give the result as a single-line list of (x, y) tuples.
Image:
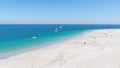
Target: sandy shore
[(96, 49)]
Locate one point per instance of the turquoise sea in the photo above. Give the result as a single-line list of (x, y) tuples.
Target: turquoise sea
[(15, 38)]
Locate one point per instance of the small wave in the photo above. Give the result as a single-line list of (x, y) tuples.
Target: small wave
[(39, 34)]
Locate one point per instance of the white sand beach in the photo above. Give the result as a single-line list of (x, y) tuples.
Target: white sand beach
[(95, 49)]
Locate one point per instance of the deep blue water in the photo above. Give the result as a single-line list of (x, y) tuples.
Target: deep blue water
[(17, 37), (10, 32)]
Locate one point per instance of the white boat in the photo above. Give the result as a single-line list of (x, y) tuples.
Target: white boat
[(60, 27), (34, 37), (56, 30)]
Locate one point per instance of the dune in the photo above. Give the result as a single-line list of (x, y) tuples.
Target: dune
[(94, 49)]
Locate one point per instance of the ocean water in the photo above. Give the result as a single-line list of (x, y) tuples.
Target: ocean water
[(15, 38)]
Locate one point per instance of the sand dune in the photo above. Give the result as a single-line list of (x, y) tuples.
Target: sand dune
[(95, 49)]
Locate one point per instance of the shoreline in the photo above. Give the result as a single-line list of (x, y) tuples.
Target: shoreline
[(40, 46), (81, 51)]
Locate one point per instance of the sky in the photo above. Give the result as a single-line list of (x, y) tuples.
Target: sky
[(59, 11)]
